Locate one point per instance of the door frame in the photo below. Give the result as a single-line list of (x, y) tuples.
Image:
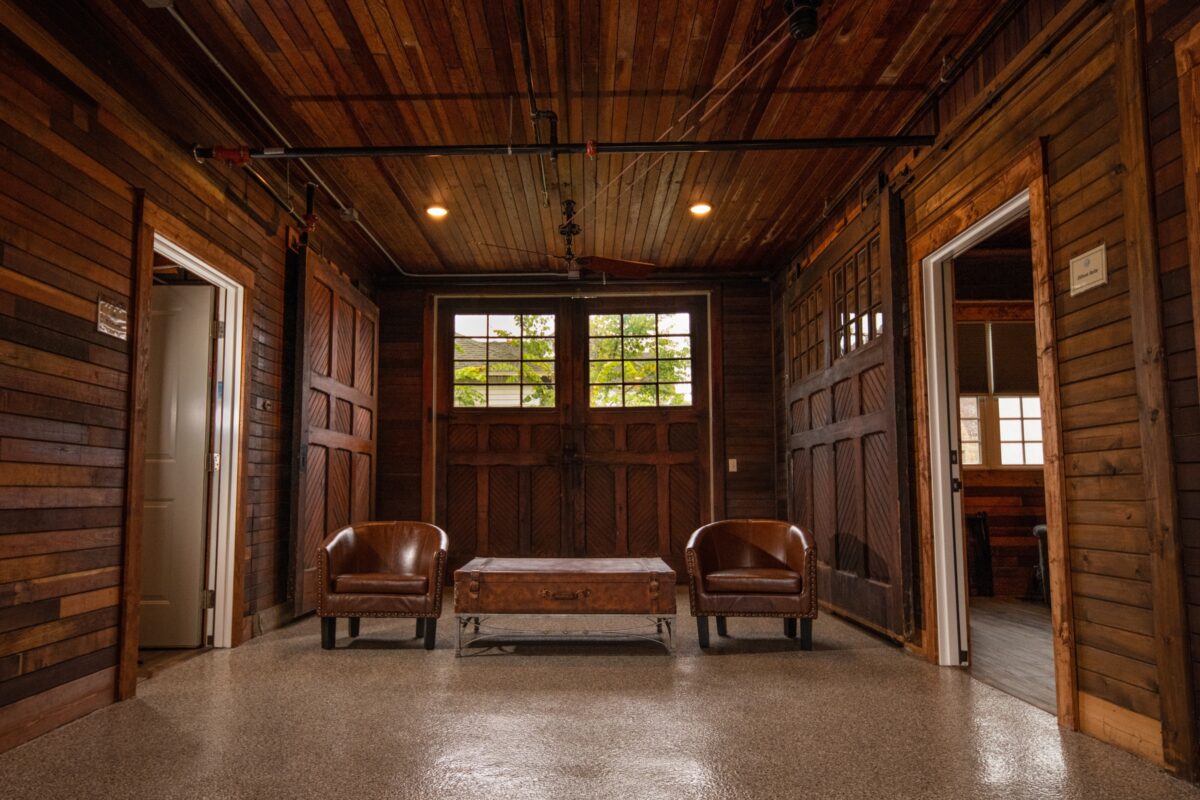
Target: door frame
[(432, 376), (1021, 188), (158, 231)]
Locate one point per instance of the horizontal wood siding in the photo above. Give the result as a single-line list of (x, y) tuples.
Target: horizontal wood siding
[(401, 358), (1014, 501), (71, 152)]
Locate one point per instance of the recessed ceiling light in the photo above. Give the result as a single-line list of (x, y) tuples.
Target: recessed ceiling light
[(437, 212), (700, 209)]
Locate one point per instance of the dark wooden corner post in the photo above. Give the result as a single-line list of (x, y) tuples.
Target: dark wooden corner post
[(1162, 514), (141, 272), (1187, 67)]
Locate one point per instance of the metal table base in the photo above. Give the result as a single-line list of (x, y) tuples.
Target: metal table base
[(660, 630)]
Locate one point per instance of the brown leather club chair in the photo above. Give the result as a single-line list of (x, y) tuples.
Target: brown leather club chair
[(753, 568), (382, 569)]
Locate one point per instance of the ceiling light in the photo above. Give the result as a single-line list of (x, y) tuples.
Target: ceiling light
[(437, 212), (700, 209)]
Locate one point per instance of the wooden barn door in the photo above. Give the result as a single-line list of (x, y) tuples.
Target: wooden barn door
[(640, 474), (845, 461), (334, 416), (501, 478), (519, 474)]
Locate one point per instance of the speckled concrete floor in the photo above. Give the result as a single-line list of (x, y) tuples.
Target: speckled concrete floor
[(753, 718)]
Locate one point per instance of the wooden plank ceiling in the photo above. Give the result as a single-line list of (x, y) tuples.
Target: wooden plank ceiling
[(349, 72)]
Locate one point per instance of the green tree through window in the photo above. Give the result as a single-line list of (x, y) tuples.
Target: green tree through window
[(642, 359), (504, 360)]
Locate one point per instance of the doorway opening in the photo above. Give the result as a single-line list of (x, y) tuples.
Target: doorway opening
[(192, 460), (988, 454)]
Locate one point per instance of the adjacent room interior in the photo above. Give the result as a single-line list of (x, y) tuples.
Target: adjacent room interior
[(528, 398)]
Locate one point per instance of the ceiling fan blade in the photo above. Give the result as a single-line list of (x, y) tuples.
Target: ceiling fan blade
[(620, 267), (516, 249)]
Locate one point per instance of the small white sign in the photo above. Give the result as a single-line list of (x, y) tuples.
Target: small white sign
[(112, 319), (1089, 270)]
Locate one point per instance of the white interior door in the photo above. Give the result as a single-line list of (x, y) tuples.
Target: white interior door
[(177, 443)]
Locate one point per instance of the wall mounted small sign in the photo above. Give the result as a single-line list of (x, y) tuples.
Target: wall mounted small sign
[(1089, 270), (112, 319)]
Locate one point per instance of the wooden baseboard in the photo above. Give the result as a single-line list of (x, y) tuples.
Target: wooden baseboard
[(1128, 730), (29, 718)]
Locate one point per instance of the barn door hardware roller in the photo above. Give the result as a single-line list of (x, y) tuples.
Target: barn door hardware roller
[(242, 155)]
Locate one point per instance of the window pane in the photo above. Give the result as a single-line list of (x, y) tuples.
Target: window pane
[(1010, 430), (604, 372), (675, 371), (470, 349), (604, 324), (674, 323), (537, 396), (503, 325), (970, 430), (537, 325), (537, 349), (604, 348), (640, 372), (469, 397), (1033, 430), (1010, 407), (1031, 407), (639, 347), (675, 347), (504, 372), (639, 324), (470, 325), (470, 371), (537, 372), (968, 407), (606, 396), (1033, 453), (675, 394), (641, 395), (972, 453), (504, 349), (1011, 454), (504, 396)]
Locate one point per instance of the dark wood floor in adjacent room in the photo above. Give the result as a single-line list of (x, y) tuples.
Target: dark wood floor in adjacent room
[(1012, 648)]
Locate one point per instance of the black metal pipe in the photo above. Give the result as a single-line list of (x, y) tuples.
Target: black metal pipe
[(576, 148)]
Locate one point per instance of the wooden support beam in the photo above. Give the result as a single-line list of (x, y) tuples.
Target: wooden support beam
[(1162, 514)]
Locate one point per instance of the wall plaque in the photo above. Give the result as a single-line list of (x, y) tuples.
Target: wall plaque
[(1089, 270), (112, 319)]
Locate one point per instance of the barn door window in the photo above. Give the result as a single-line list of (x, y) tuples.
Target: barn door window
[(504, 361), (858, 299), (639, 360)]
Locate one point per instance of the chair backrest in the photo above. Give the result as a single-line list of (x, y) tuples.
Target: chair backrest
[(391, 546), (741, 543)]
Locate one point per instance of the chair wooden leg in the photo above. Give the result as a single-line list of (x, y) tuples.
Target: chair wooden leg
[(722, 630), (806, 634), (354, 622), (789, 627), (420, 627), (328, 632), (430, 633), (702, 630)]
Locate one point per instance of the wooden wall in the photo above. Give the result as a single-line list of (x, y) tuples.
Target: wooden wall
[(742, 312), (72, 154), (1013, 96), (1168, 21), (1014, 501)]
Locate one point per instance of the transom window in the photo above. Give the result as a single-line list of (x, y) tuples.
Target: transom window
[(504, 360), (808, 334), (640, 359)]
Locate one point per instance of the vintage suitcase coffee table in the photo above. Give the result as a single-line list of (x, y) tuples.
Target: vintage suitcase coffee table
[(563, 587)]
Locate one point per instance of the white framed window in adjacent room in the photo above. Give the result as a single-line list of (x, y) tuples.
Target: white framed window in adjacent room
[(1000, 412)]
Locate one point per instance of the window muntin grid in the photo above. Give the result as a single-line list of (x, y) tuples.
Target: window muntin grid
[(639, 360), (857, 291), (504, 361)]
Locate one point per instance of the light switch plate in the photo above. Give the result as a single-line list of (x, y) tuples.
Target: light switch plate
[(733, 465)]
